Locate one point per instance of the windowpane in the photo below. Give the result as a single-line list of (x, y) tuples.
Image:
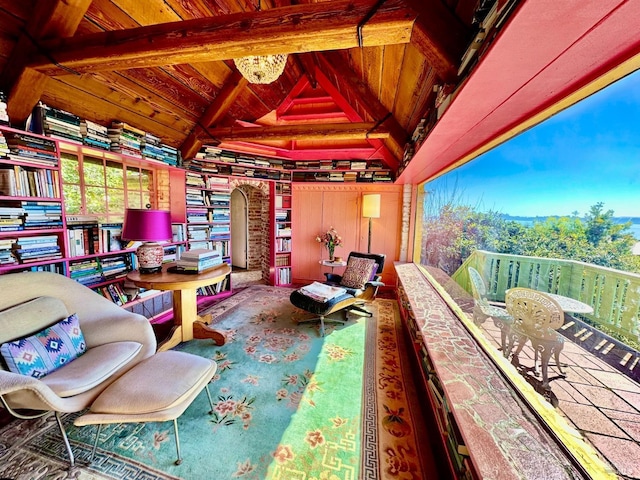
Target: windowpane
[(93, 172), (72, 198), (70, 169), (133, 178), (134, 200), (116, 201), (114, 175), (95, 199)]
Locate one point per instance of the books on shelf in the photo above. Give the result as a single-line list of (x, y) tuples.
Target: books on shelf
[(36, 248)]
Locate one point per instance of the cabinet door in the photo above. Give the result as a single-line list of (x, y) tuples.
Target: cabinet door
[(306, 217)]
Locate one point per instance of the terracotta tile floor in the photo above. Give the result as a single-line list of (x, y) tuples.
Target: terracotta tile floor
[(596, 399)]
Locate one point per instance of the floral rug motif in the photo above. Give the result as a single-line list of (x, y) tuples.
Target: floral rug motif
[(288, 404)]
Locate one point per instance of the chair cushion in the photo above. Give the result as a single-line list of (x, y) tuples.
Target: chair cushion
[(98, 364), (47, 350), (30, 317), (358, 272)]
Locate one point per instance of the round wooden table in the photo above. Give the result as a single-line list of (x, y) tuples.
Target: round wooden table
[(187, 323)]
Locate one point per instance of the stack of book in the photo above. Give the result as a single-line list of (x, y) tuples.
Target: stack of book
[(198, 260), (150, 147), (6, 257), (36, 249), (42, 214), (94, 134), (86, 272), (11, 219), (27, 148), (4, 116), (171, 155), (126, 139), (4, 148), (60, 124)]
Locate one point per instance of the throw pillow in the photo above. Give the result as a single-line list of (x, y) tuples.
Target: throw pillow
[(47, 350), (358, 272)]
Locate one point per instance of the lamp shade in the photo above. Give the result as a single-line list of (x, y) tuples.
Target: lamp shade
[(146, 225), (371, 205)]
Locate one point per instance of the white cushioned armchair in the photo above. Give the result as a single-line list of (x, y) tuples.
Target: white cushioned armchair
[(115, 339)]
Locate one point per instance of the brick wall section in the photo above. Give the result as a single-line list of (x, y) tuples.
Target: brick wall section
[(259, 223)]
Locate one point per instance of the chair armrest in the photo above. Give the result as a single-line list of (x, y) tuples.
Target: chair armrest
[(14, 383), (374, 283)]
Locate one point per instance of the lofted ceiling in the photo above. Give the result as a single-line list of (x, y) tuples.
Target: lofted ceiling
[(360, 77), (421, 85)]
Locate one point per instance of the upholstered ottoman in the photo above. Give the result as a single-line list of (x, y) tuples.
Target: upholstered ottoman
[(158, 389)]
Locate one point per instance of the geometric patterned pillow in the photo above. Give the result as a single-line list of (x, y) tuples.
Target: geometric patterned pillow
[(45, 351), (358, 272)]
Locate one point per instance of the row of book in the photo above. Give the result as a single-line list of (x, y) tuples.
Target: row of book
[(30, 215), (284, 276), (24, 147), (37, 248), (215, 289), (348, 176), (19, 181), (114, 292), (100, 269), (88, 238)]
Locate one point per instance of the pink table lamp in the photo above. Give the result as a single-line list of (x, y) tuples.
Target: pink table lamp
[(150, 227)]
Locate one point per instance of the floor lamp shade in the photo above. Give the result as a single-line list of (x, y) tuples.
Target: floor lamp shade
[(370, 209), (149, 227)]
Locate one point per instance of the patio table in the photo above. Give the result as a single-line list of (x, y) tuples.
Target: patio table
[(571, 305)]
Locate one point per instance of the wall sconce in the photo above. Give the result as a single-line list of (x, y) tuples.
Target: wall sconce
[(149, 227), (370, 209)]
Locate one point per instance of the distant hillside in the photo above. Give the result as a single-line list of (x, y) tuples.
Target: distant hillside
[(529, 220)]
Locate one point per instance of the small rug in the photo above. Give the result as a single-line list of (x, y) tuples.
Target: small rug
[(289, 404)]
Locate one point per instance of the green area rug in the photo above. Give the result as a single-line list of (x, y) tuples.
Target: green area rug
[(289, 404)]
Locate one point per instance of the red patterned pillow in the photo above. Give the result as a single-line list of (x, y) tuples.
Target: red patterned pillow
[(358, 272)]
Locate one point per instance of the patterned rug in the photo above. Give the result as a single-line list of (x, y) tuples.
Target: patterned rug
[(289, 404)]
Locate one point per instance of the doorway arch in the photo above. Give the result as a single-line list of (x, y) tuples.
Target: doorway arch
[(256, 193), (239, 229)]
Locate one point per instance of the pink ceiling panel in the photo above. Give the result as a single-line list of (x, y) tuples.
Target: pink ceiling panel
[(548, 50)]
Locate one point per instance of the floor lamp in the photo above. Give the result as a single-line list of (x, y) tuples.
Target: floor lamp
[(370, 209)]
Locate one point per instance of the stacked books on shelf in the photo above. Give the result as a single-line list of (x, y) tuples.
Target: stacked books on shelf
[(151, 148), (4, 147), (197, 215), (4, 115), (29, 148), (126, 139), (38, 248), (171, 155), (94, 134), (194, 196), (86, 272), (115, 266), (6, 256), (194, 180), (40, 215), (11, 218), (60, 124), (198, 260)]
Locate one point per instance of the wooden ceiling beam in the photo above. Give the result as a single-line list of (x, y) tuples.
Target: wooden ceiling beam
[(293, 29), (51, 19), (214, 113), (308, 132), (440, 36)]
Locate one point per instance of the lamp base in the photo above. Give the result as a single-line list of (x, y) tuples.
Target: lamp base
[(150, 256)]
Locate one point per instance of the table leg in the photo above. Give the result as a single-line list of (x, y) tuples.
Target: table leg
[(174, 338), (185, 311)]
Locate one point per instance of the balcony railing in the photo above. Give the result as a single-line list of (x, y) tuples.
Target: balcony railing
[(613, 294)]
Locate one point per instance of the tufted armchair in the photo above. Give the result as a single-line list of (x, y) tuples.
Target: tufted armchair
[(115, 339)]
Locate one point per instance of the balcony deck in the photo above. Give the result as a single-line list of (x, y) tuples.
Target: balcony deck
[(600, 394)]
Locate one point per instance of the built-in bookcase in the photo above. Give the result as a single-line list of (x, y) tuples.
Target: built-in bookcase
[(281, 233)]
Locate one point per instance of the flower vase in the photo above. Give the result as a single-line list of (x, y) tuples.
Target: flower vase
[(331, 257)]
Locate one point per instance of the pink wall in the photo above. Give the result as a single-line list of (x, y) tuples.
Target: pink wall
[(317, 207)]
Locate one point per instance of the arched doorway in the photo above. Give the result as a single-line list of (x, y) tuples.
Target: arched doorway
[(252, 224), (239, 229)]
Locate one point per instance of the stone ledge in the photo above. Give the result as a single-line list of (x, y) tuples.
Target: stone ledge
[(503, 436)]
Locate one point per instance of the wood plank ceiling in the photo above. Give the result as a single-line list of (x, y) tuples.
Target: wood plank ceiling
[(165, 66)]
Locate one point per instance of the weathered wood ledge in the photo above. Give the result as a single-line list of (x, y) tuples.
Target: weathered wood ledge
[(501, 435)]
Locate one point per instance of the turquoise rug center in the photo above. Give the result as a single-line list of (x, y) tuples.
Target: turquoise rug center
[(287, 402)]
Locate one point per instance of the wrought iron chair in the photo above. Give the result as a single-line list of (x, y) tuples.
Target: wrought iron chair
[(483, 310), (536, 318)]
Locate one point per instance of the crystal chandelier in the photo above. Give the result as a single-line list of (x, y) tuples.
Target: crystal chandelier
[(261, 69)]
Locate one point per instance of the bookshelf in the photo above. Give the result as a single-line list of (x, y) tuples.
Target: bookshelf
[(281, 241)]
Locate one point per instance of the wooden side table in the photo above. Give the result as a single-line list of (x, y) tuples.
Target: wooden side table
[(187, 323)]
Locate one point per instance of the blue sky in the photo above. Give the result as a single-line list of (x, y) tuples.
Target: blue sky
[(586, 154)]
